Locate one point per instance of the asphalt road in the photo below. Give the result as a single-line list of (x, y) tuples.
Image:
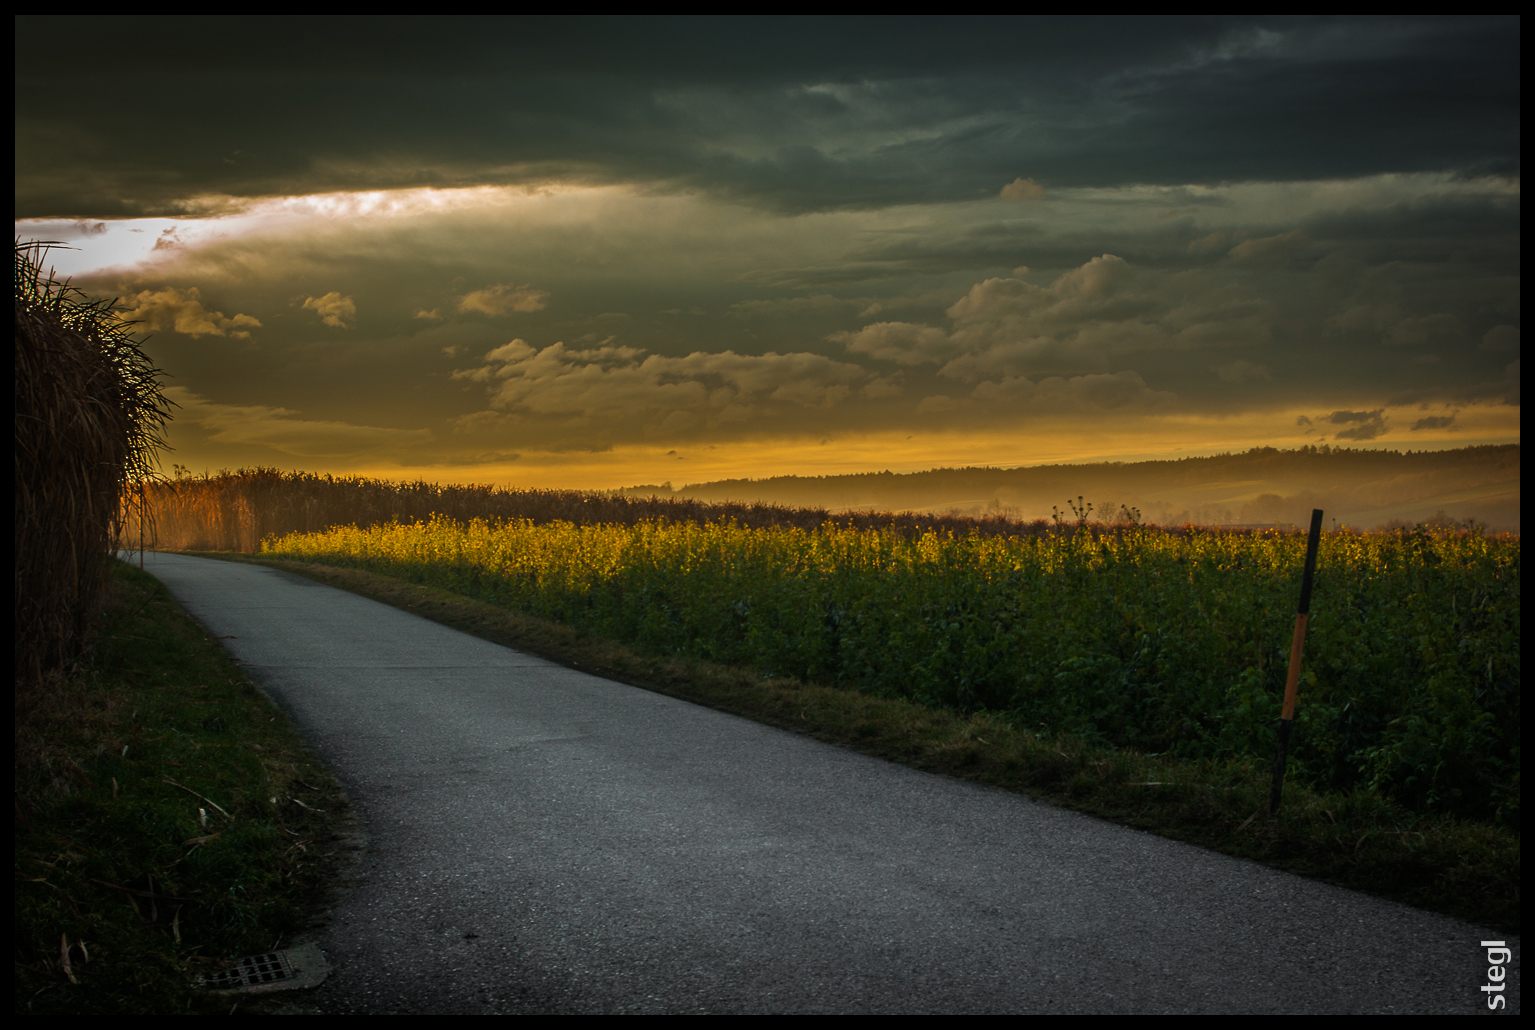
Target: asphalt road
[(543, 840)]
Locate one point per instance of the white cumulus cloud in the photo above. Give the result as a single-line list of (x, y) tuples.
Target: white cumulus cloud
[(504, 299), (182, 311), (1022, 189), (1009, 327), (667, 393), (334, 309)]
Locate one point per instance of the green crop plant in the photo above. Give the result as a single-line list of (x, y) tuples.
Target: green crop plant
[(1168, 643)]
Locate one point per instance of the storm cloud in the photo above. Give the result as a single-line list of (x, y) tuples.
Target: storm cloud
[(586, 248), (787, 114)]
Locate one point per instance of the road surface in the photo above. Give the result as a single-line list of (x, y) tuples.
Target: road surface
[(543, 840)]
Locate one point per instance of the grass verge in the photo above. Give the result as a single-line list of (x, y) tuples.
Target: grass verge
[(1358, 840), (168, 818)]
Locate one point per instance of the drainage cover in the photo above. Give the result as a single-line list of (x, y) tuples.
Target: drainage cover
[(299, 966)]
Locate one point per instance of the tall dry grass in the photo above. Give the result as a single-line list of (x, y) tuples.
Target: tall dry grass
[(89, 413), (235, 511)]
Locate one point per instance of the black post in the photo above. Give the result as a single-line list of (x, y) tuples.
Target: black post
[(1297, 645)]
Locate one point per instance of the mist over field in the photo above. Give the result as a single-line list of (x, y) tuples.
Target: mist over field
[(1357, 488)]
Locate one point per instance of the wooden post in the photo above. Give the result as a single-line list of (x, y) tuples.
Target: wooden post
[(1297, 645)]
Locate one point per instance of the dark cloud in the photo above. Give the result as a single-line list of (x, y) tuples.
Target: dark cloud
[(120, 116), (1362, 425), (681, 317)]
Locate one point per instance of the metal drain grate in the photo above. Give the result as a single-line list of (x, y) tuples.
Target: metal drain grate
[(252, 971), (300, 966)]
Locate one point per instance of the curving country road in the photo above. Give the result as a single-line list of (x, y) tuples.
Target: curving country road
[(543, 840)]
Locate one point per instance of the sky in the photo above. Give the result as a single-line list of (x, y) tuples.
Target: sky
[(595, 252)]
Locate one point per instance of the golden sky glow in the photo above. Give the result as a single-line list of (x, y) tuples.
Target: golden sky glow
[(1173, 437)]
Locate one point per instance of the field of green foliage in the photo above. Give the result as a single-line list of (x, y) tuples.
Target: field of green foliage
[(1164, 642)]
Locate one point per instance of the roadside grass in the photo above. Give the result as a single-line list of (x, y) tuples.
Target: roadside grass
[(168, 818), (1462, 868)]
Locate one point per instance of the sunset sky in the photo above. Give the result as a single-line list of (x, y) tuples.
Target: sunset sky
[(601, 252)]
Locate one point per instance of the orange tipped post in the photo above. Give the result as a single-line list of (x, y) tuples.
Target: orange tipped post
[(1297, 645)]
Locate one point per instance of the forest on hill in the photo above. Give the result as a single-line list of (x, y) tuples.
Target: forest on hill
[(1366, 489)]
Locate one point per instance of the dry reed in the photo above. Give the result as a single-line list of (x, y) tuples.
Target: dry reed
[(89, 413), (235, 511)]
